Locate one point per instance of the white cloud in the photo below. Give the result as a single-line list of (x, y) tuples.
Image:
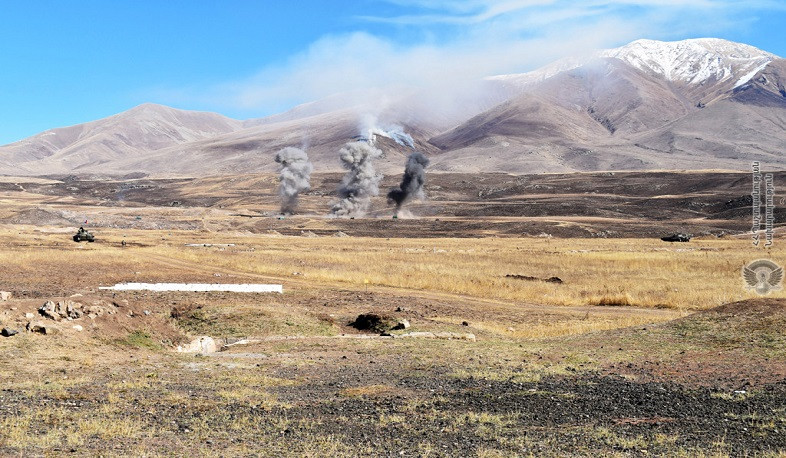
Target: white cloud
[(474, 38)]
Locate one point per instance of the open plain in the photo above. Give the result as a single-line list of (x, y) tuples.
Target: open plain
[(638, 347)]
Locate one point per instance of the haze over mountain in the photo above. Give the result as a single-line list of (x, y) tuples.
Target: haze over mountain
[(702, 103)]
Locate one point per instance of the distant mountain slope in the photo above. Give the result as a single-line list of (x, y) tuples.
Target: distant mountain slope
[(133, 133), (748, 124), (253, 149), (709, 111), (703, 103)]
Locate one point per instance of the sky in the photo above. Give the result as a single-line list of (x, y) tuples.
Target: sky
[(64, 63)]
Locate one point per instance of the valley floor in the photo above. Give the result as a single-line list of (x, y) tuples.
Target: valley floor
[(557, 375), (558, 330)]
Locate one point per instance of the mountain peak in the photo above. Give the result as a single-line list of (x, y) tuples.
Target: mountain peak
[(148, 106), (693, 61)]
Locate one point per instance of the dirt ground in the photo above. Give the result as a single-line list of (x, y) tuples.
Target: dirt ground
[(599, 205), (546, 372)]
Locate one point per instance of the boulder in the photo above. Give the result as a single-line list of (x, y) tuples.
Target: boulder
[(6, 332), (402, 324), (61, 308), (5, 296), (74, 310), (42, 328), (49, 310)]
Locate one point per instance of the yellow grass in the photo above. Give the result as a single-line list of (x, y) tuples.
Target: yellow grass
[(629, 272), (626, 272)]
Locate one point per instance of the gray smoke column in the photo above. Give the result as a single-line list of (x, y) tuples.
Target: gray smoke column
[(361, 181), (295, 176), (412, 183)]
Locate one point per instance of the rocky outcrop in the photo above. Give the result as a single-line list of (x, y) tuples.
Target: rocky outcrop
[(70, 310)]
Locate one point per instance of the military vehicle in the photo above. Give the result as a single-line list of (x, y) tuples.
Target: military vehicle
[(82, 235), (676, 238)]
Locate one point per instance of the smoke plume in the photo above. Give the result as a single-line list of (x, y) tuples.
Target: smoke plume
[(361, 181), (370, 129), (295, 176), (412, 183)]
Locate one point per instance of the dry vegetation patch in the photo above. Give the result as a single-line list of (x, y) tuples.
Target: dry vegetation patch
[(529, 384)]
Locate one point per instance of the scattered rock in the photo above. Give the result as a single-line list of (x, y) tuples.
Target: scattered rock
[(74, 310), (78, 328), (146, 312), (41, 328), (465, 323), (6, 332), (49, 310), (29, 315), (93, 311), (5, 296)]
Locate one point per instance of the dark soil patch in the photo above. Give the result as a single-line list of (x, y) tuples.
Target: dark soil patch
[(374, 322), (529, 278)]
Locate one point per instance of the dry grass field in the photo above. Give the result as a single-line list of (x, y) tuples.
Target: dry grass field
[(633, 353)]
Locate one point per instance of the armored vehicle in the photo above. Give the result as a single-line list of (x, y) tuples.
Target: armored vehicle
[(676, 238), (82, 235)]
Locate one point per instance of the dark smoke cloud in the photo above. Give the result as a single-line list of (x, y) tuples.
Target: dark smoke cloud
[(295, 177), (361, 181), (412, 183)]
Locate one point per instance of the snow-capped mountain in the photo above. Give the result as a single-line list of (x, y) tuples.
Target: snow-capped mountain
[(703, 103), (693, 61), (700, 103)]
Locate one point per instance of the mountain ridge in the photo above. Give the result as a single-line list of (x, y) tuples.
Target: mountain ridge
[(644, 105)]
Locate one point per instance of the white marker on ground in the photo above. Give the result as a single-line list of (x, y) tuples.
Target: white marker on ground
[(197, 287)]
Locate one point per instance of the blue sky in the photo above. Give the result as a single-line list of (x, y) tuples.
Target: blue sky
[(63, 63)]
